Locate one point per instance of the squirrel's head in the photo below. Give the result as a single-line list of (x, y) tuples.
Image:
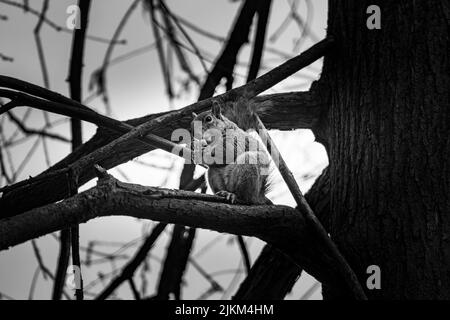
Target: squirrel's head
[(206, 125)]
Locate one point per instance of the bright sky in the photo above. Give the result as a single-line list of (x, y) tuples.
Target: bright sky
[(136, 88)]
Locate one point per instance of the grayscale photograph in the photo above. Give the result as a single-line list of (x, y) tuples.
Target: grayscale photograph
[(224, 158)]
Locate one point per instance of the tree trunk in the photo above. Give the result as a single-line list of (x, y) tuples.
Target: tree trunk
[(389, 143)]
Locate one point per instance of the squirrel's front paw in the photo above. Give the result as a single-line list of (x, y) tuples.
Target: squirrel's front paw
[(231, 197)]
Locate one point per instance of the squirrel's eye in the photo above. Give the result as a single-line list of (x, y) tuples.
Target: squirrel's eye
[(208, 119)]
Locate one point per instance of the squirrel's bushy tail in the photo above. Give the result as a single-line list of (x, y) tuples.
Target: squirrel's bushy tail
[(242, 113)]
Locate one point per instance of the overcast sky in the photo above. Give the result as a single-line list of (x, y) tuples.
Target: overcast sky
[(136, 88)]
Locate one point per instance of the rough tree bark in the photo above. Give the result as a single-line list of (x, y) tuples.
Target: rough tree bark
[(389, 148)]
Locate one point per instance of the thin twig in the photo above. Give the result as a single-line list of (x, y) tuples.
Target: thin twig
[(40, 49), (173, 38), (62, 265), (57, 27), (159, 46), (129, 270), (310, 291), (82, 112), (100, 75), (33, 283), (75, 82), (136, 294), (185, 34), (244, 252), (28, 131)]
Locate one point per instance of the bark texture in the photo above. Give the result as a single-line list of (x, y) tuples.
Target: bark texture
[(389, 143)]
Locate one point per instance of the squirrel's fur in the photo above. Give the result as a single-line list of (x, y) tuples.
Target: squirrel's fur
[(243, 175)]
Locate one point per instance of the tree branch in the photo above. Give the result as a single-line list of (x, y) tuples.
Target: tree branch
[(75, 82), (177, 257), (131, 267), (55, 26), (224, 66), (273, 275), (303, 206), (179, 249), (13, 202), (29, 131), (281, 226), (260, 38)]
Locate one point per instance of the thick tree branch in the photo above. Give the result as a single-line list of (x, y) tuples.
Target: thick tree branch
[(248, 91), (303, 206), (35, 195), (281, 226), (283, 111)]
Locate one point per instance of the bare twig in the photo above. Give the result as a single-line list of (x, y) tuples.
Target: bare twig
[(40, 49), (99, 77), (28, 131), (82, 112), (136, 294), (150, 5), (311, 290), (26, 159), (129, 270), (43, 268), (75, 82), (185, 34), (244, 252), (62, 265), (33, 283), (45, 271), (238, 36), (173, 38), (57, 27)]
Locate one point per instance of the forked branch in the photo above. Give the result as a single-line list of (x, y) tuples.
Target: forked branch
[(280, 226)]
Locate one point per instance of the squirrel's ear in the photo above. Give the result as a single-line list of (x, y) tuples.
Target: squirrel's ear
[(194, 115), (216, 109)]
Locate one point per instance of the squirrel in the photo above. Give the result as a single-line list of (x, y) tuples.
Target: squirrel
[(238, 164)]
